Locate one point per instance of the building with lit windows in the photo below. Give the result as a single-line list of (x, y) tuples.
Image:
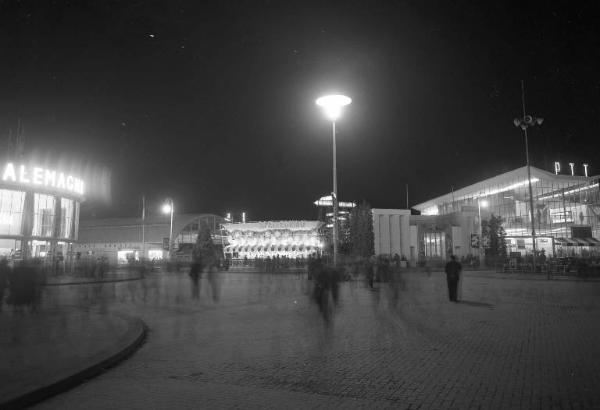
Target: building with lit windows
[(566, 215), (121, 240), (39, 210), (256, 240)]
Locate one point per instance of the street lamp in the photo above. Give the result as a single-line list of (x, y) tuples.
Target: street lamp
[(332, 106), (168, 208), (480, 204), (525, 122)]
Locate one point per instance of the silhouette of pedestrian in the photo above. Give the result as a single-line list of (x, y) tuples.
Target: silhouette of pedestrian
[(370, 273), (453, 269), (195, 272), (4, 272)]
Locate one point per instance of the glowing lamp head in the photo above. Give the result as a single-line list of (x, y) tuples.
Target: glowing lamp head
[(484, 203), (332, 105), (166, 208)]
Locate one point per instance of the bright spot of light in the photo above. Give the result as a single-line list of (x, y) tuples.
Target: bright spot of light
[(332, 104), (151, 35), (166, 208), (484, 203)]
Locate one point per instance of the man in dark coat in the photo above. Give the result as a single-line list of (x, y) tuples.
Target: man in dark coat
[(453, 269)]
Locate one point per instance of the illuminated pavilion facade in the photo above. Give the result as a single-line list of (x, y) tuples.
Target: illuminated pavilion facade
[(269, 239)]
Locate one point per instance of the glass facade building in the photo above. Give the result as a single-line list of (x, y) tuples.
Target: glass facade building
[(566, 210)]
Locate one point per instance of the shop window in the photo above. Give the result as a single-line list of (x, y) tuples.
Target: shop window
[(434, 244), (11, 211), (43, 214), (76, 221), (66, 217)]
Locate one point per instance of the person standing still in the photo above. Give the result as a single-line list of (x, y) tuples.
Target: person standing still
[(453, 269)]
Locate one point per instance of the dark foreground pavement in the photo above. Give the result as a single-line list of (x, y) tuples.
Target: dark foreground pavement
[(258, 341), (51, 350)]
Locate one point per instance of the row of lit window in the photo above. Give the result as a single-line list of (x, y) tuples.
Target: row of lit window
[(12, 205), (106, 245)]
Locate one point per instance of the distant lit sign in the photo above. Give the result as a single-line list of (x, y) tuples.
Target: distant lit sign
[(571, 168), (474, 240), (328, 201), (558, 215), (28, 175)]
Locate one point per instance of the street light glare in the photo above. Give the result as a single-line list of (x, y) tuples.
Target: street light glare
[(332, 104), (166, 208), (484, 203)]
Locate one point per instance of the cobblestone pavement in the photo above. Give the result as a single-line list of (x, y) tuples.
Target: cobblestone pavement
[(258, 341)]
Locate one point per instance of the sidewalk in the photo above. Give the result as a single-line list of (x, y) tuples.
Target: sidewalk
[(45, 353)]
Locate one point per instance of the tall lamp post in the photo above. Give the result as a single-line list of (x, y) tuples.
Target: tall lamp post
[(480, 204), (332, 106), (524, 123), (168, 208)]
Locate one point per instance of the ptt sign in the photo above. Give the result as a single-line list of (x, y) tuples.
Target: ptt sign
[(572, 168)]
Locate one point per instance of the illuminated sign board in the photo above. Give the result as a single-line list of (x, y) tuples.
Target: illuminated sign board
[(327, 201), (571, 167), (43, 177), (558, 215)]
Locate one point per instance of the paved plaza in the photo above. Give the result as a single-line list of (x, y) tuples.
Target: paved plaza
[(257, 340)]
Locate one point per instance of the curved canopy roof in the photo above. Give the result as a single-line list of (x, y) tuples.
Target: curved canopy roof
[(504, 182)]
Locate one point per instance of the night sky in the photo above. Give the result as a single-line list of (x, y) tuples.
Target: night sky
[(213, 103)]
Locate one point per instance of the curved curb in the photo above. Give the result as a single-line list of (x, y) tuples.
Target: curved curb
[(94, 282), (138, 332)]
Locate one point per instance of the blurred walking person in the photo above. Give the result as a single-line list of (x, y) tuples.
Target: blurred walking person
[(195, 274), (4, 272), (453, 269)]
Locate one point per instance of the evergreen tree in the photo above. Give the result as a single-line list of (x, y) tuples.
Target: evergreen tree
[(205, 251), (361, 231), (494, 239)]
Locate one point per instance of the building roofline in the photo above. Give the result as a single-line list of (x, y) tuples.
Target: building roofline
[(505, 178)]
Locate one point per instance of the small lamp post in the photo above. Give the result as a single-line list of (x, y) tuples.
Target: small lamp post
[(168, 208), (332, 106)]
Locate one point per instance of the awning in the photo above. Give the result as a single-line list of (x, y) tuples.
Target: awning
[(580, 242), (565, 241), (593, 241), (560, 241)]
